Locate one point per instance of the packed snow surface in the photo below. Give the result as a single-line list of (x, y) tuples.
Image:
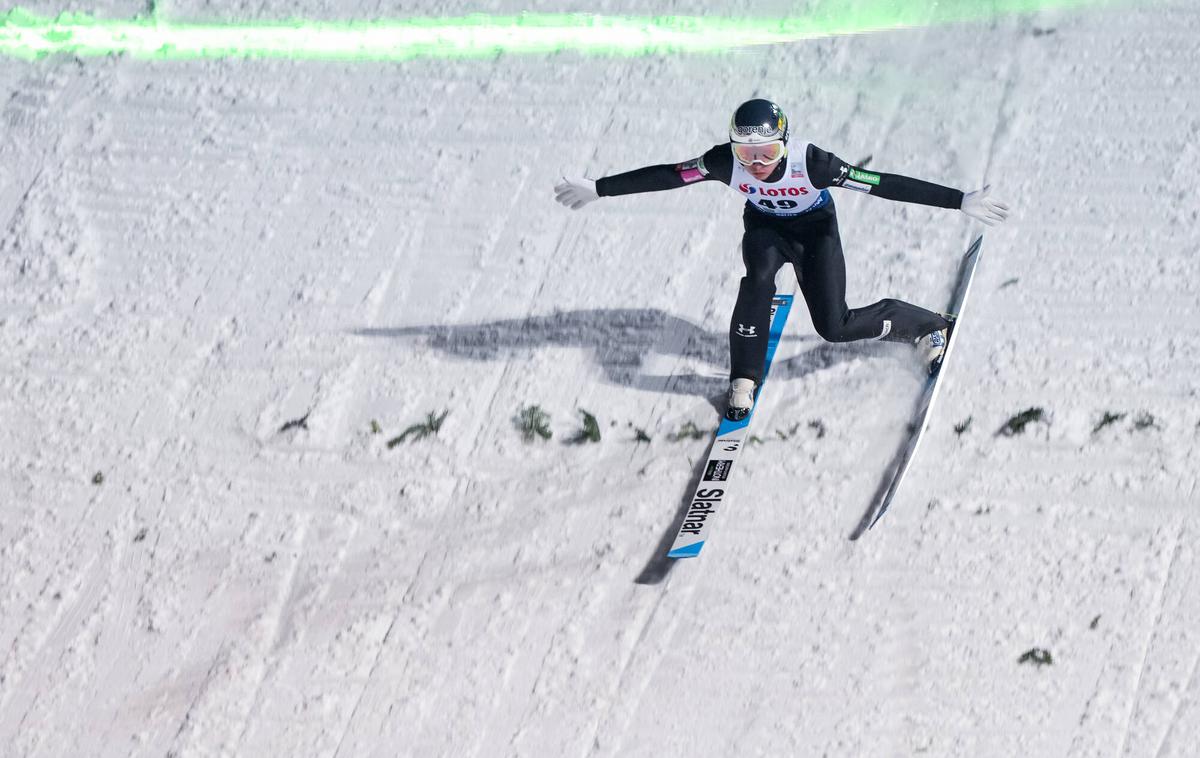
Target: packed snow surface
[(226, 285)]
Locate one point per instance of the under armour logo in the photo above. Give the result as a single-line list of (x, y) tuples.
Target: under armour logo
[(746, 331)]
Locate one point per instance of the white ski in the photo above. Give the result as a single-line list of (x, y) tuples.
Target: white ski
[(929, 393)]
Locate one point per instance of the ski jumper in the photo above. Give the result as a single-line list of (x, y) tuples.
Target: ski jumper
[(790, 218)]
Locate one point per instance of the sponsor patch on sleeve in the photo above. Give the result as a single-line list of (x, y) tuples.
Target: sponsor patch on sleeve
[(692, 171), (864, 176), (856, 186)]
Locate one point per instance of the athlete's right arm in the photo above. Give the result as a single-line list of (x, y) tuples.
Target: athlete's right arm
[(716, 165)]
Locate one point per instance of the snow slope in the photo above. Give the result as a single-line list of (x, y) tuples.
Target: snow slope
[(196, 254)]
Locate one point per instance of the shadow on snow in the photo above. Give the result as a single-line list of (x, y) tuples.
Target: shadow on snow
[(619, 340)]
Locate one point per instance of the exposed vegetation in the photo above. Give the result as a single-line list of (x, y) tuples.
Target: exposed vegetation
[(1108, 418), (1145, 421), (534, 422), (429, 427), (296, 423), (1016, 424), (688, 431), (590, 431), (1037, 656)]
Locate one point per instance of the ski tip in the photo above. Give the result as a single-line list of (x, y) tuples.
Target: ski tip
[(864, 526), (974, 248), (687, 551)]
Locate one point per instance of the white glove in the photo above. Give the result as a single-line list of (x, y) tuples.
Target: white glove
[(575, 193), (979, 206)]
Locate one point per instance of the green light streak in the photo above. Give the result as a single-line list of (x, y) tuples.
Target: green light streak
[(25, 35)]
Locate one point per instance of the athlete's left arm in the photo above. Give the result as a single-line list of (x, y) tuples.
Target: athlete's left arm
[(827, 170)]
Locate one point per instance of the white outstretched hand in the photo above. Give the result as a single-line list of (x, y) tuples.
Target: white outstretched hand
[(979, 206), (575, 193)]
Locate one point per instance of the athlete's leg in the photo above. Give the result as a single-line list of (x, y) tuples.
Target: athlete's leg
[(823, 282), (763, 253)]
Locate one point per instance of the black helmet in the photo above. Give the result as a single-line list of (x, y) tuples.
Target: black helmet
[(757, 121)]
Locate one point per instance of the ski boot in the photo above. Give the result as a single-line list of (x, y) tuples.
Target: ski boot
[(934, 345), (741, 399)]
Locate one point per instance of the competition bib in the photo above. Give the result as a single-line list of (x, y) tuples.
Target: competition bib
[(792, 195)]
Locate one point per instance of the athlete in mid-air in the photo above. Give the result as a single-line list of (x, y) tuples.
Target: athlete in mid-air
[(789, 217)]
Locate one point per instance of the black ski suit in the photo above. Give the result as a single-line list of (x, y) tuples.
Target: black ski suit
[(808, 240)]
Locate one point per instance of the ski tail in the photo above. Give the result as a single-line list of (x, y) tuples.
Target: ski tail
[(710, 494)]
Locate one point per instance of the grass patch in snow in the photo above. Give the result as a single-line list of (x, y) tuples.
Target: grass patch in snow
[(688, 431), (534, 422), (962, 426), (639, 434), (817, 426), (590, 431), (1016, 425), (1037, 656), (1141, 422), (296, 423), (1108, 418), (427, 428)]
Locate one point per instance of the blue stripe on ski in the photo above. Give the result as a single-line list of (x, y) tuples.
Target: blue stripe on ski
[(783, 307), (689, 551), (781, 314)]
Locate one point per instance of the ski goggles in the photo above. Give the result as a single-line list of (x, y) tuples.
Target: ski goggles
[(765, 153)]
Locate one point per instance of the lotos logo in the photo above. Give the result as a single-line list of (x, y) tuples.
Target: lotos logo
[(773, 191)]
